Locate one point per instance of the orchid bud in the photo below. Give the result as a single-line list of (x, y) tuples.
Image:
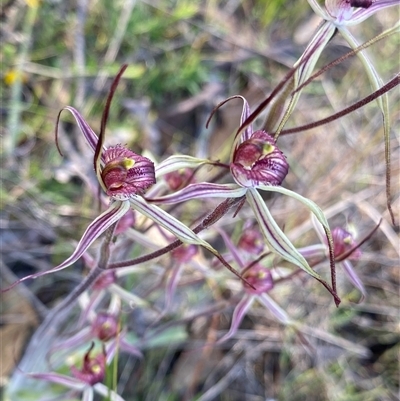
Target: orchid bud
[(105, 327), (93, 369), (184, 253), (177, 179), (259, 161), (260, 277), (251, 241), (126, 173), (107, 278), (343, 241)]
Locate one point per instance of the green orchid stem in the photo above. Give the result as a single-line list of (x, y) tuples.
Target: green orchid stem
[(286, 79)]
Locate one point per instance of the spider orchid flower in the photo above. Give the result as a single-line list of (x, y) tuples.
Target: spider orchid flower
[(86, 379), (338, 16), (256, 163), (124, 176)]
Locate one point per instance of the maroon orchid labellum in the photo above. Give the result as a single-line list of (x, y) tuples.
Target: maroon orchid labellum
[(126, 173), (259, 161)]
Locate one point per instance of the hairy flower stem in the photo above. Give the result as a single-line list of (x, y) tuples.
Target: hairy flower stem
[(368, 99), (211, 219)]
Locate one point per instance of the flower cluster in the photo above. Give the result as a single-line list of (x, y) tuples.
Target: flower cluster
[(142, 197)]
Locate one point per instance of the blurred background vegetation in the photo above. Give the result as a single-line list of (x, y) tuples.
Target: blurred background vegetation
[(184, 56)]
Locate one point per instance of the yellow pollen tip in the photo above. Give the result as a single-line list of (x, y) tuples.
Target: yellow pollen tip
[(268, 148), (96, 368), (347, 240), (128, 163)]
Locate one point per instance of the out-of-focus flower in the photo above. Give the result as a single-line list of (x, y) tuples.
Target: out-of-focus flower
[(343, 242), (260, 278), (349, 12), (105, 326), (105, 279), (86, 378), (180, 256), (251, 240), (178, 179), (93, 368)]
